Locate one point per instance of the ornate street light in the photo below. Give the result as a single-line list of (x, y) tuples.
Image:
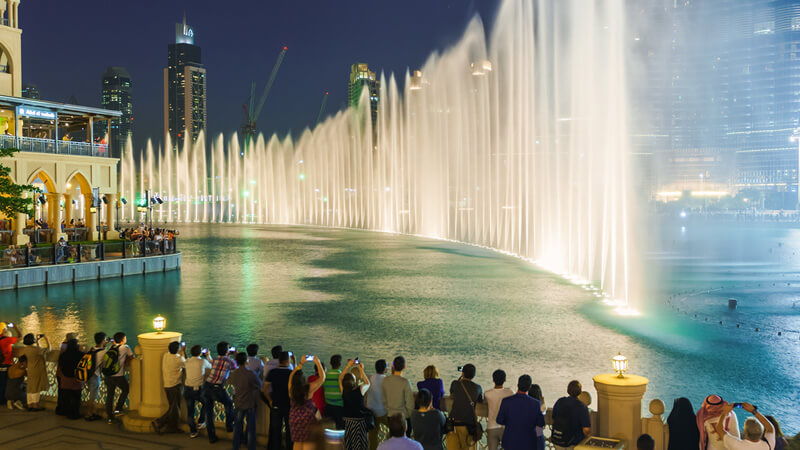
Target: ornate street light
[(159, 323), (620, 364)]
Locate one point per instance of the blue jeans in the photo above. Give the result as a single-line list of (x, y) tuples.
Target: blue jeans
[(238, 428), (216, 393), (192, 396)]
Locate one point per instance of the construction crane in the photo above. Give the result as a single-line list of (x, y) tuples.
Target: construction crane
[(322, 108), (251, 115)]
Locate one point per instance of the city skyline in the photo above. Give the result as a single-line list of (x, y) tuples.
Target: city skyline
[(318, 59)]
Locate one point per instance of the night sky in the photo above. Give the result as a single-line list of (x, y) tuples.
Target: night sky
[(68, 45)]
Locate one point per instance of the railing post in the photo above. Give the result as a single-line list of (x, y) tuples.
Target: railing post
[(124, 245), (53, 254), (174, 245), (102, 251), (79, 253), (27, 257), (142, 248)]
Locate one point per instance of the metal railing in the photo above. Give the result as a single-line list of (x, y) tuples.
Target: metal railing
[(15, 258), (39, 145)]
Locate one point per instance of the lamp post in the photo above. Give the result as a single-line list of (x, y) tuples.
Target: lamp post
[(620, 364), (159, 323), (619, 401)]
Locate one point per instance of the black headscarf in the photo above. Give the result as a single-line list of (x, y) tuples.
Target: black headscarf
[(69, 359), (682, 421)]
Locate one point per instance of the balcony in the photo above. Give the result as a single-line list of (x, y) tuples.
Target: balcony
[(38, 145)]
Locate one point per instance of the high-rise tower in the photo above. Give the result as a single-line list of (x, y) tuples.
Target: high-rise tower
[(360, 77), (184, 88), (117, 96)]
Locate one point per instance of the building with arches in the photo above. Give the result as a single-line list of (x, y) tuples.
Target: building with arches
[(58, 154)]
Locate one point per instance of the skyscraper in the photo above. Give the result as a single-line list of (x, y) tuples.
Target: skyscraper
[(184, 88), (117, 90), (360, 77), (30, 91)]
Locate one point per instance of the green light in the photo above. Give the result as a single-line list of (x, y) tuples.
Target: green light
[(324, 199), (302, 176), (246, 194), (252, 181)]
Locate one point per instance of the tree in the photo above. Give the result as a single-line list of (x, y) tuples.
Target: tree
[(11, 199)]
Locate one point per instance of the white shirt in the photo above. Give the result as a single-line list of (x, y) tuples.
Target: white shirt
[(375, 395), (196, 370), (494, 397), (733, 443), (172, 369), (256, 365), (731, 425), (125, 352)]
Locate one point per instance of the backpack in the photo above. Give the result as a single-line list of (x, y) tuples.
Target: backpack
[(4, 356), (561, 435), (110, 365), (85, 368)]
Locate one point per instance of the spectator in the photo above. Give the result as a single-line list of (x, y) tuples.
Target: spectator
[(355, 427), (246, 386), (432, 383), (427, 422), (302, 414), (521, 414), (758, 432), (571, 422), (333, 396), (197, 368), (70, 387), (397, 395), (116, 359), (214, 387), (254, 362), (15, 389), (318, 397), (60, 247), (6, 353), (494, 431), (706, 418), (93, 383), (780, 440), (682, 423), (273, 363), (536, 392), (465, 395), (278, 399), (172, 366), (37, 370), (374, 401), (646, 442), (398, 439)]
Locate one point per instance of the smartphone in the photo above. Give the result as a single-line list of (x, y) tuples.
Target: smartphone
[(737, 405), (290, 354), (11, 325), (310, 358), (460, 368), (183, 344), (232, 349), (355, 361), (204, 351)]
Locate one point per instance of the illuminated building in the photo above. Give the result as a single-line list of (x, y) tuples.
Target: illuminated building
[(184, 88), (117, 96)]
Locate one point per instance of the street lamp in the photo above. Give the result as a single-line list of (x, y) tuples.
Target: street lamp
[(620, 364), (159, 323)]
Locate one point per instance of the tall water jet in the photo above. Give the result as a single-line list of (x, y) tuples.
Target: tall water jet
[(520, 145)]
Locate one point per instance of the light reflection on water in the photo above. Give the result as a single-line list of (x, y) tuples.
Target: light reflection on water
[(376, 295)]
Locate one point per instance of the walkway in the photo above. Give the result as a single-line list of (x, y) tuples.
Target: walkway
[(45, 430)]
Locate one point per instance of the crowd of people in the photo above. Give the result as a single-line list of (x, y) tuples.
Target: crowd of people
[(343, 395)]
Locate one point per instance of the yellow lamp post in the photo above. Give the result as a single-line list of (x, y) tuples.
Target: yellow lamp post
[(159, 323)]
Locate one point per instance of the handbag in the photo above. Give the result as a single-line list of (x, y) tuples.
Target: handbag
[(475, 430), (369, 418)]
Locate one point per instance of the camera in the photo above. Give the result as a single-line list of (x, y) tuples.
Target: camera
[(460, 368), (310, 358)]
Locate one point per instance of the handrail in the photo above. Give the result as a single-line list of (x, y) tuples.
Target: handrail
[(41, 145), (54, 254)]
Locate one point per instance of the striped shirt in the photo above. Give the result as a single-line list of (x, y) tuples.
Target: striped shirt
[(333, 396), (220, 369)]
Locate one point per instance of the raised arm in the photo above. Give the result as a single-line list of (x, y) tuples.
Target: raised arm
[(768, 428), (364, 379), (316, 384), (345, 372), (720, 425)]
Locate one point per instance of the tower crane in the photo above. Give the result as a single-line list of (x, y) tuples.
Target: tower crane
[(251, 115), (322, 108)]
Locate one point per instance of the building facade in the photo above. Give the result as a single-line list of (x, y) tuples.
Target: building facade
[(30, 91), (117, 96), (184, 89), (732, 102), (360, 78)]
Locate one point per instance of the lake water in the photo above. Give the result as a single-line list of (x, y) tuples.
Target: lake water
[(375, 295)]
